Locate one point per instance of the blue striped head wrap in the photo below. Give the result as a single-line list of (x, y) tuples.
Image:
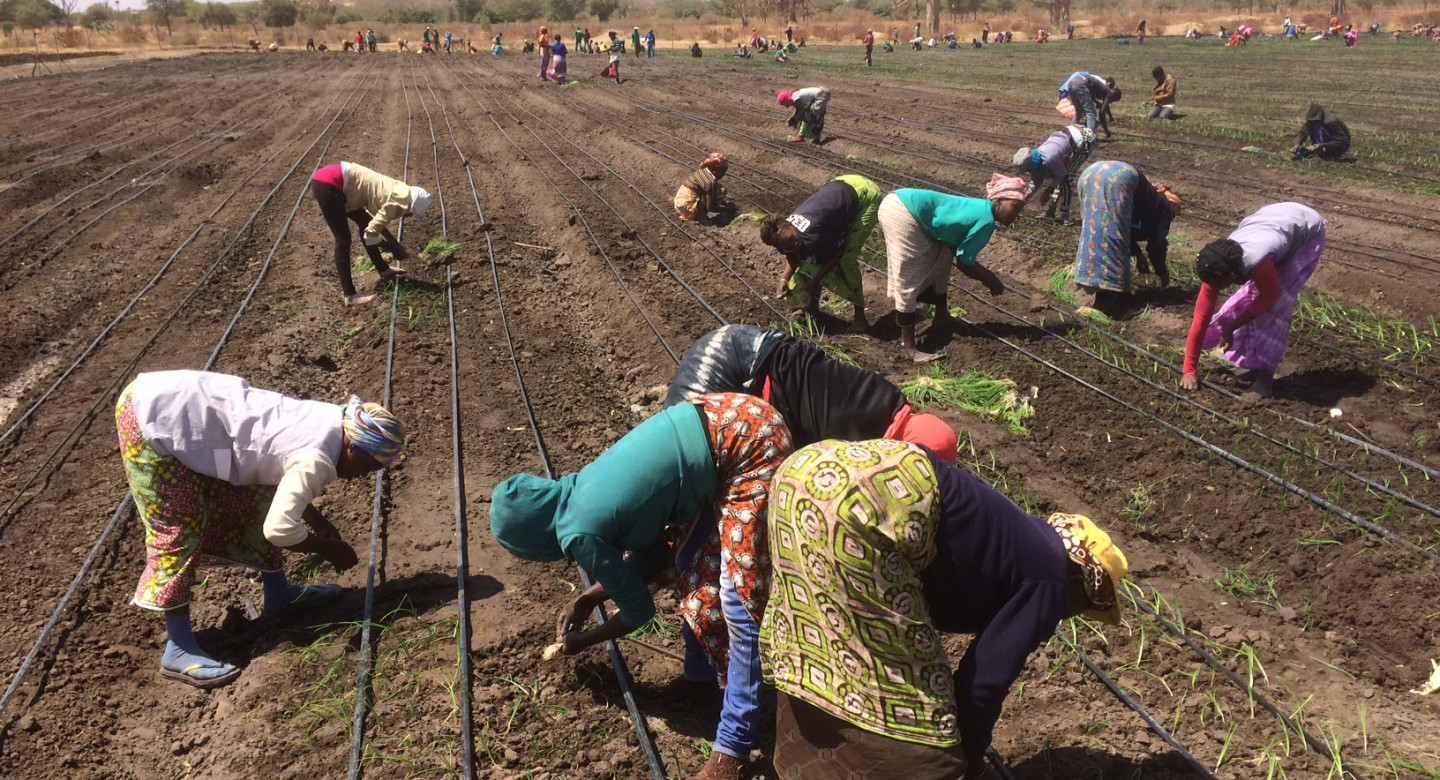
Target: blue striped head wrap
[(372, 428)]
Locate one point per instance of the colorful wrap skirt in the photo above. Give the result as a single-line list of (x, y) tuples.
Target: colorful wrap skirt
[(749, 439), (1107, 200), (1260, 345), (847, 630), (557, 69), (844, 279), (190, 519)]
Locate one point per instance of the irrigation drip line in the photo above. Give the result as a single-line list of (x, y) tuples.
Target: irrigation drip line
[(367, 649), (580, 216), (1138, 708), (628, 227), (98, 148), (462, 522), (617, 661), (1180, 633), (125, 502), (679, 228), (165, 323)]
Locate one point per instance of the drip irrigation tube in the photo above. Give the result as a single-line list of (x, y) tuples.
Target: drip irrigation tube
[(1180, 633), (125, 502), (1139, 709)]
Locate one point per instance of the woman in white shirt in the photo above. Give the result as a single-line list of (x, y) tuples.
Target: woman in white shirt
[(223, 472)]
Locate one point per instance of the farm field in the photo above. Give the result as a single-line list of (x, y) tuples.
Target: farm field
[(1285, 561)]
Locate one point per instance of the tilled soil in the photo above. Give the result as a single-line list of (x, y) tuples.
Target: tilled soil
[(170, 225)]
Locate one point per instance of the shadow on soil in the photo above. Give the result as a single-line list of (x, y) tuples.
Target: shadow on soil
[(1071, 762), (1325, 387)]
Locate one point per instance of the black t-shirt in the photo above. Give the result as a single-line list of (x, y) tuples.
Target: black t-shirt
[(822, 398), (824, 220)]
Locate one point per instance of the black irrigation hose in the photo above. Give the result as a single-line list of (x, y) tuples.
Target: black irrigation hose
[(628, 227), (195, 291), (1139, 709), (580, 215), (1180, 633), (617, 661), (125, 502), (366, 649), (462, 522)]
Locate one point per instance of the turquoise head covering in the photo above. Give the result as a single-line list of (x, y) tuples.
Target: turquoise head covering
[(372, 428), (522, 515)]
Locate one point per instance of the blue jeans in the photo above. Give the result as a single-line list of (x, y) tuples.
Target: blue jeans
[(1084, 103), (740, 708)]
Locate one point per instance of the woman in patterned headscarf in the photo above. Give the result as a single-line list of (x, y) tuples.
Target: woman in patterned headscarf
[(702, 194), (876, 548), (1119, 210), (221, 471), (685, 493)]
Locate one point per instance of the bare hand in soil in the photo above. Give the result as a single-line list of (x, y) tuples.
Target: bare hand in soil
[(1227, 337), (1189, 382)]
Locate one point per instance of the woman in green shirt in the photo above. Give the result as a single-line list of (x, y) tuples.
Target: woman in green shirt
[(924, 230)]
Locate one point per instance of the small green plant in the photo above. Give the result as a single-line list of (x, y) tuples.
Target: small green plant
[(442, 247), (1241, 584), (1058, 283), (362, 266), (1095, 315), (974, 391), (349, 333), (657, 627), (1141, 503)]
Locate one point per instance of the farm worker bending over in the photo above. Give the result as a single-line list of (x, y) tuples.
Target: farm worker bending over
[(925, 232), (1083, 89), (702, 194), (1162, 105), (220, 471), (822, 240), (1052, 167), (685, 493), (1271, 254), (865, 688), (808, 118), (820, 397), (1119, 209), (372, 201), (1323, 135)]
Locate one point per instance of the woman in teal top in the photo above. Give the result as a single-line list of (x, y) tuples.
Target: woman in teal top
[(925, 232), (635, 514)]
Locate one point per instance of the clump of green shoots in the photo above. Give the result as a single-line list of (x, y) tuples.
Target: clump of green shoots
[(442, 247), (974, 391), (1060, 280)]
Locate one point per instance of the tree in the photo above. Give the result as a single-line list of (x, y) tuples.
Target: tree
[(604, 9), (562, 10), (162, 10), (278, 13), (97, 17), (67, 8), (932, 15), (219, 14), (469, 9), (34, 14)]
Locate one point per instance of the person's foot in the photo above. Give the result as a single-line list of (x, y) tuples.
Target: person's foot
[(302, 597), (859, 324), (195, 669), (1263, 386), (358, 299), (392, 272), (720, 767), (799, 139), (917, 356)]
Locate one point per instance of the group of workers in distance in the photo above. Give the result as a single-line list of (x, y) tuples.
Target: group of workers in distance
[(814, 526)]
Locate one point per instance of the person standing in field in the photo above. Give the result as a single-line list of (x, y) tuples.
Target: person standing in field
[(926, 233), (789, 32), (543, 41), (1119, 210), (612, 70), (877, 549), (985, 33), (650, 44), (822, 240), (1053, 165), (1271, 254), (587, 48), (1162, 105), (1140, 33), (869, 41), (680, 499), (221, 472), (557, 70), (579, 40), (347, 191), (635, 41)]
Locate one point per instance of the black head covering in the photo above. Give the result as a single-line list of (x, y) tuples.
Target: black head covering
[(1220, 258), (1315, 113)]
